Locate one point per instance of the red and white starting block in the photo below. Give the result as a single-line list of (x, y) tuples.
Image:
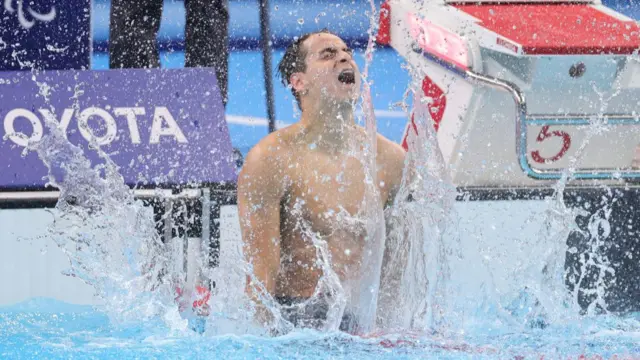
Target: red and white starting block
[(523, 90)]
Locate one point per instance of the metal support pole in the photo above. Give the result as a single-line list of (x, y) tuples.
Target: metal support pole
[(265, 36)]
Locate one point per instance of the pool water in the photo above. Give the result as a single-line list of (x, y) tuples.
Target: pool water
[(48, 329)]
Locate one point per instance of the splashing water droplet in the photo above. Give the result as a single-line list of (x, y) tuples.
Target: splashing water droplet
[(301, 21), (317, 18)]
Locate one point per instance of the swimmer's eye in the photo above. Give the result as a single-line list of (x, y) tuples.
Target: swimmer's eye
[(327, 54), (330, 53)]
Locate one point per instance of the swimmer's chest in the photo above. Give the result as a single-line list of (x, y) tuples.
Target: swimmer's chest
[(325, 188)]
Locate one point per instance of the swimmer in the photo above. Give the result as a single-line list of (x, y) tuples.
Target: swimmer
[(311, 173)]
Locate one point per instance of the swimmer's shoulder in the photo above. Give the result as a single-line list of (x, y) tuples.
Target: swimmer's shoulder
[(390, 148), (271, 154), (276, 144)]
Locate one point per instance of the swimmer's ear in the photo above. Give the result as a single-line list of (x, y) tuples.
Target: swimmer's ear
[(297, 83)]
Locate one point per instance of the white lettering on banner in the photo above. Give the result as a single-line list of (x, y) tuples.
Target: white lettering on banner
[(172, 130), (132, 121), (85, 130), (63, 123), (163, 124), (20, 138), (27, 24)]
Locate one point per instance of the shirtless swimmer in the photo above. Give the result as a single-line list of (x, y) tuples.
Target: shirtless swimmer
[(310, 173)]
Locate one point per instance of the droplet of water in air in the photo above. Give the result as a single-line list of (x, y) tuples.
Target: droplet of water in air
[(312, 146), (301, 21), (317, 18), (276, 8)]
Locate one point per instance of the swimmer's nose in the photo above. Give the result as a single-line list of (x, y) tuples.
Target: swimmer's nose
[(343, 56)]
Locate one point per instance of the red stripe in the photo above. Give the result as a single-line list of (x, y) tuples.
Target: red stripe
[(552, 29), (439, 103), (436, 108), (384, 30)]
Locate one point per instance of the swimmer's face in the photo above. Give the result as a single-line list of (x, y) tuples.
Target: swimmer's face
[(331, 73)]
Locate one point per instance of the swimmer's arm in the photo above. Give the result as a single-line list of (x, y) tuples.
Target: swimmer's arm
[(260, 190)]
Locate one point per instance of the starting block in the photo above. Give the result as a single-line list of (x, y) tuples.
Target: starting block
[(523, 90), (521, 94)]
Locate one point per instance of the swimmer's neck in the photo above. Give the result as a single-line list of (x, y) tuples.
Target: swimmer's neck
[(329, 126)]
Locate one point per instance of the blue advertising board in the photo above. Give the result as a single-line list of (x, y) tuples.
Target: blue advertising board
[(162, 128)]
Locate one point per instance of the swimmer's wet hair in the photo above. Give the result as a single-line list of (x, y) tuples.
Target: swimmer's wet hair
[(294, 58)]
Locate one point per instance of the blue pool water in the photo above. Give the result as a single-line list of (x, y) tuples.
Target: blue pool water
[(47, 329)]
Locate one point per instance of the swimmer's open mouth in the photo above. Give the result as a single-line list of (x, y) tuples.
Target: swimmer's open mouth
[(347, 76)]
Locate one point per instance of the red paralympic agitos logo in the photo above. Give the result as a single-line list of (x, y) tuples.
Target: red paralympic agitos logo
[(544, 135)]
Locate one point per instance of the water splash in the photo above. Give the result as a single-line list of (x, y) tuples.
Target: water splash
[(423, 286), (108, 235), (416, 277), (329, 289), (589, 282), (365, 295), (551, 288)]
